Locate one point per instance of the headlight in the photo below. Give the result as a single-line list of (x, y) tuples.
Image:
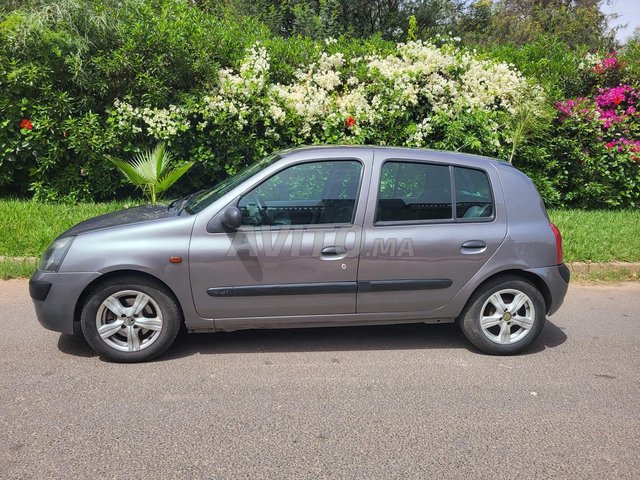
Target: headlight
[(52, 258)]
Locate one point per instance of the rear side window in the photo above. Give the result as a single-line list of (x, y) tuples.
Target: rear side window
[(473, 193), (414, 191)]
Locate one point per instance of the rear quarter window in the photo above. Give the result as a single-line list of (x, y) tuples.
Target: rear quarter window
[(473, 193)]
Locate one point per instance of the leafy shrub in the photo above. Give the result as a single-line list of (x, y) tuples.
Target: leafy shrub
[(62, 66), (598, 141), (557, 66)]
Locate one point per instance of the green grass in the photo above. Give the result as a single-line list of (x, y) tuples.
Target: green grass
[(29, 226), (589, 236), (10, 268), (599, 235), (607, 276)]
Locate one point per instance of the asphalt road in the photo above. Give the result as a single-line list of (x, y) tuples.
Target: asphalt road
[(411, 401)]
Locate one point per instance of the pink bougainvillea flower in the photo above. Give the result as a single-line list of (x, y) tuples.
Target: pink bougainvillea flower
[(26, 124), (613, 96), (610, 62), (609, 145)]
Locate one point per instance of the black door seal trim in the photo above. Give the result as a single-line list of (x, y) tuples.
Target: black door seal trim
[(328, 288)]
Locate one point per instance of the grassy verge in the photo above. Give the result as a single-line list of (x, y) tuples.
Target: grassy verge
[(10, 268), (589, 236), (31, 226), (599, 236), (606, 276)]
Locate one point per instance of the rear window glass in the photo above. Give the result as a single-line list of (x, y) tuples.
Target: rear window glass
[(414, 191), (473, 193)]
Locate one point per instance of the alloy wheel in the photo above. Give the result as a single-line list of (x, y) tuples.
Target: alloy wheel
[(507, 316), (129, 321)]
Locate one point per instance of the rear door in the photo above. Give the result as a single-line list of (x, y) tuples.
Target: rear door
[(429, 227)]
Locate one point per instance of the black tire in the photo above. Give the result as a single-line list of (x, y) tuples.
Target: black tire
[(469, 319), (162, 299)]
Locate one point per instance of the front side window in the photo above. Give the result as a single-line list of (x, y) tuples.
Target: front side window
[(414, 191), (311, 193), (473, 193), (203, 199)]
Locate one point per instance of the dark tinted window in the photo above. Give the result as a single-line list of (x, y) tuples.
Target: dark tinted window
[(305, 194), (414, 191), (473, 193)]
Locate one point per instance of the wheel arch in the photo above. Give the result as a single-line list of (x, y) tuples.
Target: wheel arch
[(110, 276), (537, 281)]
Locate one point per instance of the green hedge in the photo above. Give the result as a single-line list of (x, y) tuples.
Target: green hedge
[(65, 65)]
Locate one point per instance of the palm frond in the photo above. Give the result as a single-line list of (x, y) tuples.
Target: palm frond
[(145, 165), (152, 171), (162, 158), (172, 175), (129, 171)]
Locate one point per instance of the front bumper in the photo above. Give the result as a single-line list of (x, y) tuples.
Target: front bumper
[(557, 280), (39, 290), (55, 296)]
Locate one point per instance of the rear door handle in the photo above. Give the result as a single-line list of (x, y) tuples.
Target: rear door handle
[(474, 245)]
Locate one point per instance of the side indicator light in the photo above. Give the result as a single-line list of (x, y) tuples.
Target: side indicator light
[(175, 260)]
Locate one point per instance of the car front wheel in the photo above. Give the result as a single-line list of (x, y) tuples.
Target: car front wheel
[(504, 316), (130, 320)]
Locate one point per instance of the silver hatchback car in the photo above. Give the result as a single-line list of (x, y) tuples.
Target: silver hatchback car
[(312, 237)]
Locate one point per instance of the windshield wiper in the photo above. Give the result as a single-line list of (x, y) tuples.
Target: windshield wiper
[(180, 203), (174, 203)]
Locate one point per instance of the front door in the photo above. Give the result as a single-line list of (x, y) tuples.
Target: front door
[(296, 251), (430, 227)]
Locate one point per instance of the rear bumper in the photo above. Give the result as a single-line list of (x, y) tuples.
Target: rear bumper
[(55, 296), (556, 279)]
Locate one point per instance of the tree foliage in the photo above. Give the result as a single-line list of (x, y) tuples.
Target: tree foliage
[(576, 22)]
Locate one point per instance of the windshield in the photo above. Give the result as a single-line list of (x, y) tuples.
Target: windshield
[(203, 199)]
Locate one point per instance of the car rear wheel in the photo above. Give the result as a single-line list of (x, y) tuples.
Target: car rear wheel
[(130, 320), (504, 316)]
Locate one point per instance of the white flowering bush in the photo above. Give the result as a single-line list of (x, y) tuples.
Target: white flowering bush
[(158, 123), (420, 95)]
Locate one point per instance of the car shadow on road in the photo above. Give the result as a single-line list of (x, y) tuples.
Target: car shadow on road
[(383, 337), (75, 345)]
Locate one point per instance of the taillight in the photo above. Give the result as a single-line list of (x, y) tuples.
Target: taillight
[(558, 236)]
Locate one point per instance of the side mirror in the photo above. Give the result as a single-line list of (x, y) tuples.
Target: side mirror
[(231, 218)]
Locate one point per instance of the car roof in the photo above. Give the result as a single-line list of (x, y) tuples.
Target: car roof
[(402, 152)]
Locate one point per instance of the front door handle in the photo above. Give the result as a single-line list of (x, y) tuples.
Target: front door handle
[(333, 251), (474, 244)]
